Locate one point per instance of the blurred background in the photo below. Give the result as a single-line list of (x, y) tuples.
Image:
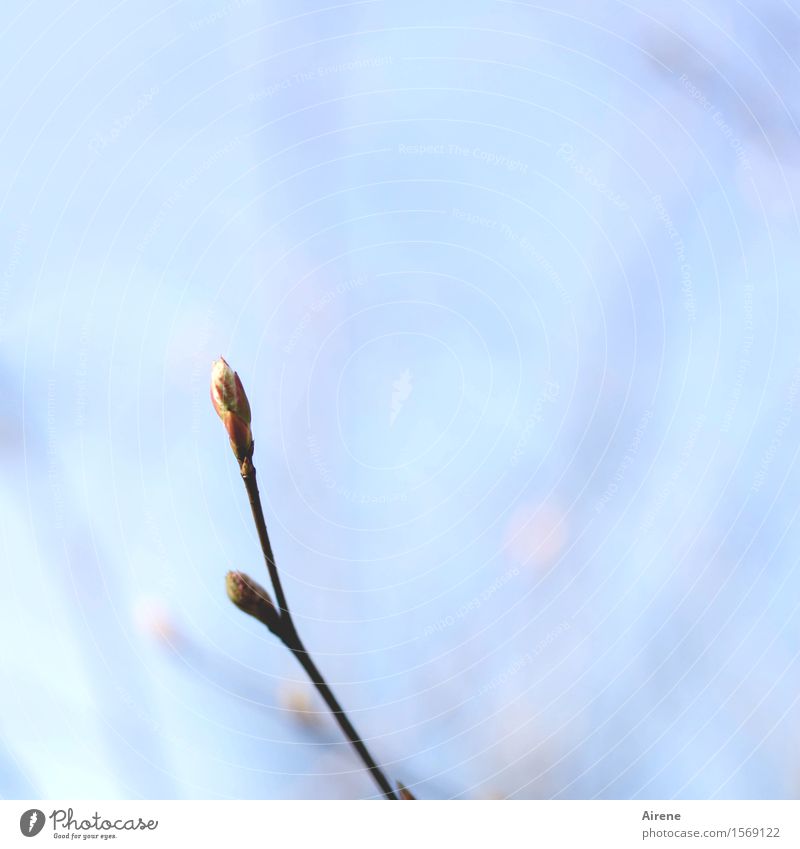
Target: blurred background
[(513, 291)]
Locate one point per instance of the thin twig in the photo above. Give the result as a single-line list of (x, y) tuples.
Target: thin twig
[(350, 732), (248, 471), (291, 639)]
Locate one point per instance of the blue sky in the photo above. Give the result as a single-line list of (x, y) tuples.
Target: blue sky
[(513, 293)]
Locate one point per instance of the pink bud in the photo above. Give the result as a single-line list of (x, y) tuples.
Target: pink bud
[(232, 406), (252, 598)]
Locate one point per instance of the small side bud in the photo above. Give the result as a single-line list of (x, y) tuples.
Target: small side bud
[(231, 404), (253, 599)]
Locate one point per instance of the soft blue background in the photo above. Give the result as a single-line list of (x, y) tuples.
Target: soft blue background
[(525, 398)]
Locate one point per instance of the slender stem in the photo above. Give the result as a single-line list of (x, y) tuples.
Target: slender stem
[(291, 638), (299, 651), (248, 471)]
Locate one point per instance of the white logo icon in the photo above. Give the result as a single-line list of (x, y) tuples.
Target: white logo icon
[(401, 390)]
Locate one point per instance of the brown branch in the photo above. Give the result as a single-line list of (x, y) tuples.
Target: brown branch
[(287, 632)]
